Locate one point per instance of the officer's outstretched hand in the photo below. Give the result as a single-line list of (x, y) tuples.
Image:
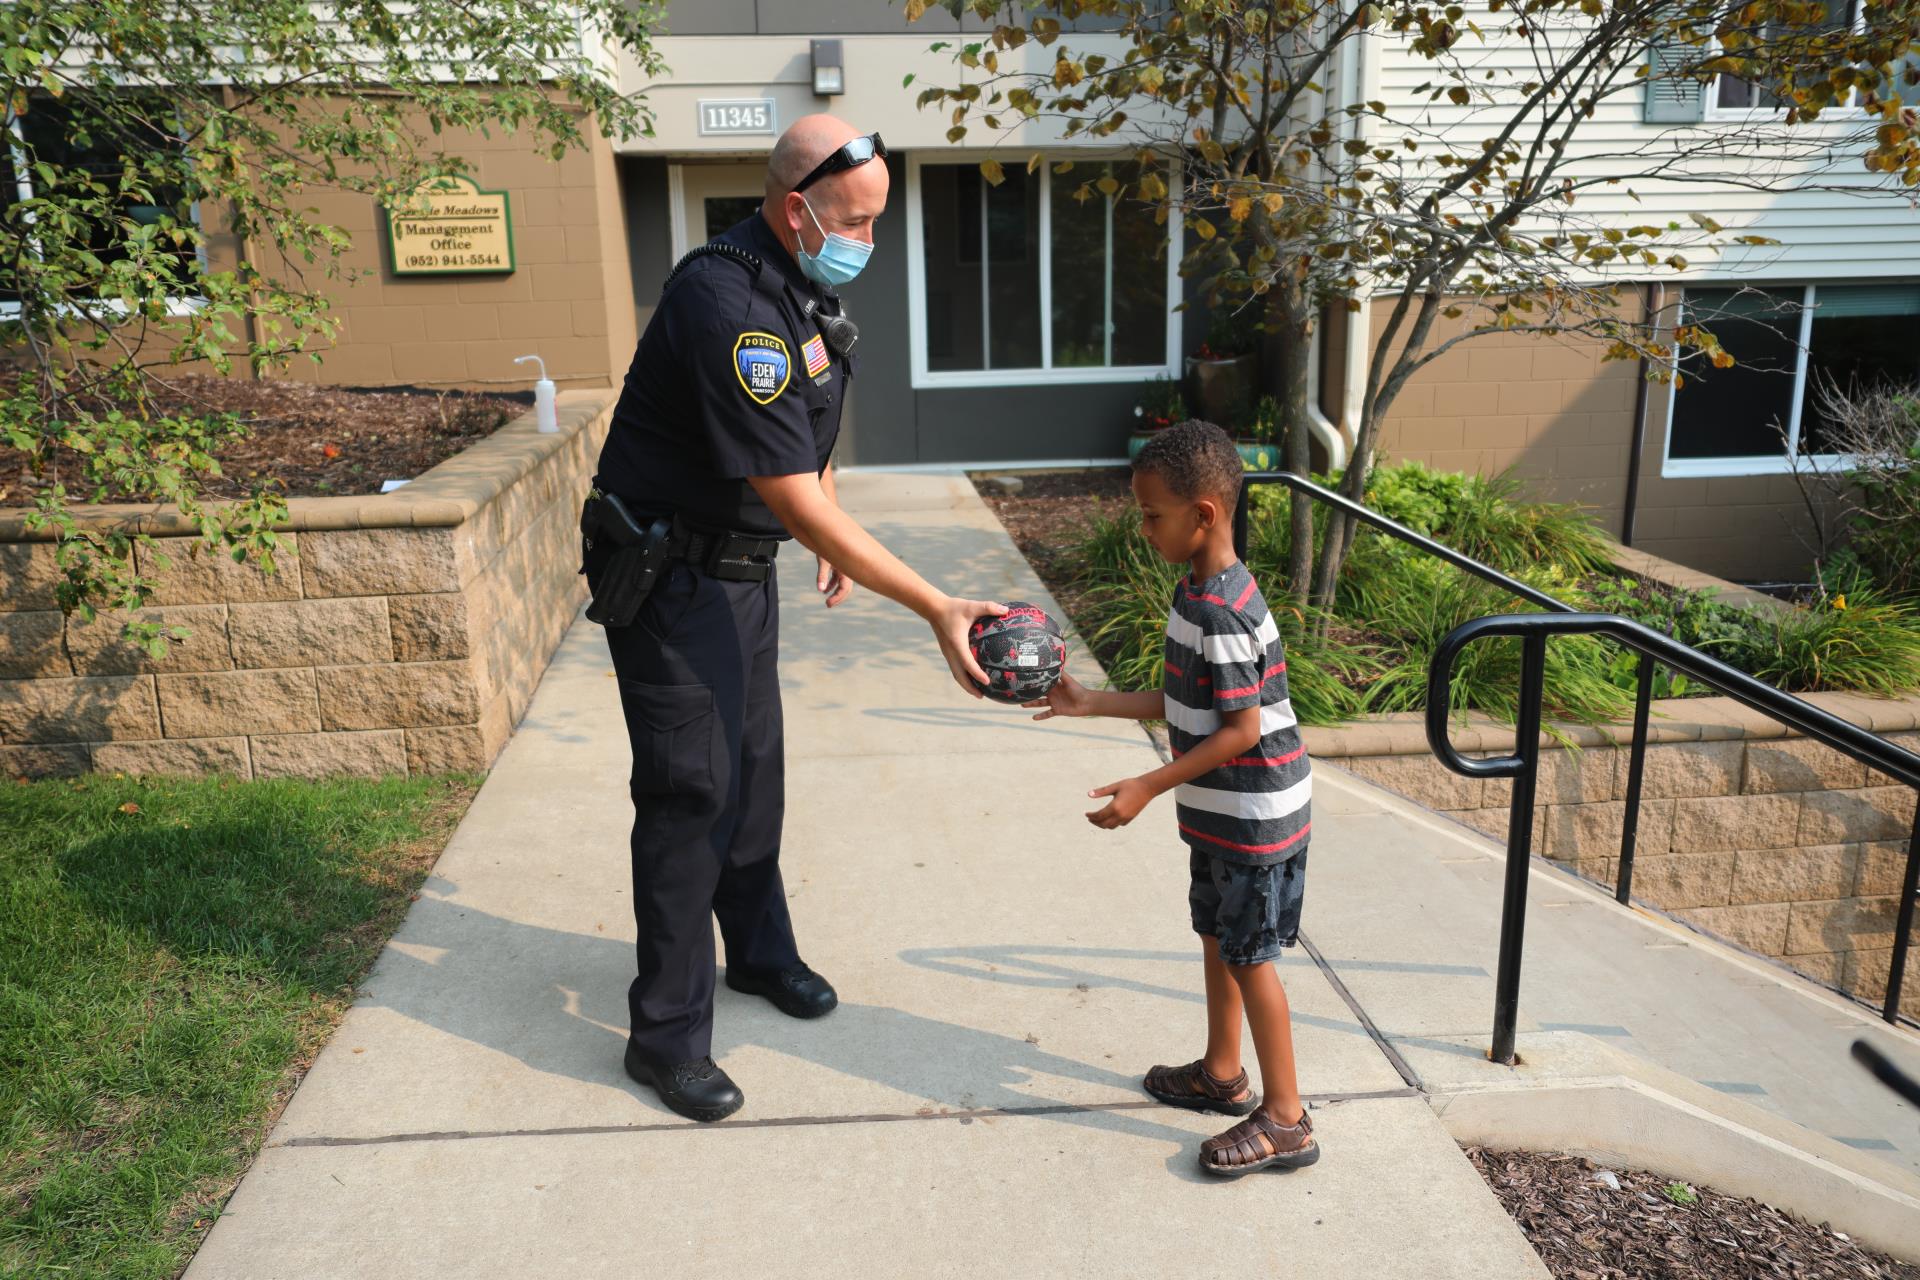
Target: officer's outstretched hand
[(833, 584), (950, 623)]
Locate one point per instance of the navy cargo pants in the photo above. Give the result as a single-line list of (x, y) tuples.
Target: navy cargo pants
[(701, 695)]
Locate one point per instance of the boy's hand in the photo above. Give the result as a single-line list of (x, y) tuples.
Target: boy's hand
[(1129, 798), (1068, 697)]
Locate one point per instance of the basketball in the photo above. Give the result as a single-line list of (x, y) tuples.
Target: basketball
[(1022, 653)]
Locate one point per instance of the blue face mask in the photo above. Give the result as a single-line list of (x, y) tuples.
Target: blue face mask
[(840, 258)]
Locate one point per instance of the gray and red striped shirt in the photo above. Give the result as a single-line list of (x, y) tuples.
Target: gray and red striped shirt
[(1223, 654)]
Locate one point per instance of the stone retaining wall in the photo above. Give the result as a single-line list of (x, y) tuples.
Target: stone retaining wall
[(403, 633), (1763, 838)]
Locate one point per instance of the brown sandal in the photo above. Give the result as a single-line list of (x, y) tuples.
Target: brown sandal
[(1193, 1088), (1259, 1141)]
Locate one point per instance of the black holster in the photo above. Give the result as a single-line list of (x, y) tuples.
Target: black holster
[(633, 562)]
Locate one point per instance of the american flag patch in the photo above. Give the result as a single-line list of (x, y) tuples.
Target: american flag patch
[(815, 351)]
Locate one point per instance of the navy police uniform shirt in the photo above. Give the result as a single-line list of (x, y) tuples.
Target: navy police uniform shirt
[(732, 379)]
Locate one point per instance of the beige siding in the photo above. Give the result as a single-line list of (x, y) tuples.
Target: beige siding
[(1830, 233)]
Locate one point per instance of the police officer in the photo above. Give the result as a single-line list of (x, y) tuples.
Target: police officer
[(720, 449)]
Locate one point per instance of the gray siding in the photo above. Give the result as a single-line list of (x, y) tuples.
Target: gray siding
[(829, 18), (643, 193), (807, 18), (887, 422), (879, 425)]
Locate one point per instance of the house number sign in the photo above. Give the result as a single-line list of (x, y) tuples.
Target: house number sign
[(736, 115)]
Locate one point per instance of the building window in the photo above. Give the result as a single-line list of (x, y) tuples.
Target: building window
[(1732, 94), (87, 145), (1789, 343), (1024, 282)]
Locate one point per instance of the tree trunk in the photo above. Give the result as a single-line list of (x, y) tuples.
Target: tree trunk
[(1384, 381), (1288, 345)]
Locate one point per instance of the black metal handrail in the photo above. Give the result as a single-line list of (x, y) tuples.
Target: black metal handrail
[(1654, 648), (1522, 766)]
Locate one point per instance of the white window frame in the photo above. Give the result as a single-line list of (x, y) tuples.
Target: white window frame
[(1043, 374), (177, 305), (1766, 464), (1715, 113)]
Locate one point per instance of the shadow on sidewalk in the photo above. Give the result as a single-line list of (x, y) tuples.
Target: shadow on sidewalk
[(556, 1001)]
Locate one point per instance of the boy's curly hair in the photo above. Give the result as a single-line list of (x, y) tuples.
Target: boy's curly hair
[(1196, 460)]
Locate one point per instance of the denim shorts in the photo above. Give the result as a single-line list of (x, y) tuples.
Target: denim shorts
[(1254, 911)]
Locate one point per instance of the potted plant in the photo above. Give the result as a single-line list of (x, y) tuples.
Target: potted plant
[(1159, 407), (1222, 371), (1259, 440)]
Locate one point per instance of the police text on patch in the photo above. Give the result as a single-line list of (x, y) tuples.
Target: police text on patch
[(761, 362)]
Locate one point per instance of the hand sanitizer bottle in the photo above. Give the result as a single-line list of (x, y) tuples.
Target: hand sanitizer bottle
[(545, 414)]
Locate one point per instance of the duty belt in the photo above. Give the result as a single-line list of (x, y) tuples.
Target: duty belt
[(722, 553), (739, 557)]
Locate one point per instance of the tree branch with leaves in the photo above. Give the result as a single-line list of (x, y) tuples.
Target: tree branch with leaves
[(142, 139), (1471, 201)]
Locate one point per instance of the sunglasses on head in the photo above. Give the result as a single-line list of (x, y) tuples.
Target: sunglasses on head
[(851, 156)]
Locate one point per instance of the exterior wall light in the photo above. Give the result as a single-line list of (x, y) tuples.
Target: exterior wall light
[(829, 72)]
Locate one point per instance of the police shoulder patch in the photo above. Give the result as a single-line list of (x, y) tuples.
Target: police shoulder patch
[(762, 363)]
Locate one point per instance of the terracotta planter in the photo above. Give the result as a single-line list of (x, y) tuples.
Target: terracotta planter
[(1222, 389)]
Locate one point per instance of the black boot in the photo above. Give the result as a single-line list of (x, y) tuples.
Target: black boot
[(798, 991), (698, 1090)]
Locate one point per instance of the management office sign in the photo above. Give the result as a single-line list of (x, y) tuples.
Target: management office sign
[(449, 226)]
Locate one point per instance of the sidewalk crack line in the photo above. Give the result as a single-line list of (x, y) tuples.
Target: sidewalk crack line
[(1400, 1064)]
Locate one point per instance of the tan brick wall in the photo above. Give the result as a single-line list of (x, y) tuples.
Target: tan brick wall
[(1778, 844), (1549, 408), (404, 634), (569, 299), (1562, 418)]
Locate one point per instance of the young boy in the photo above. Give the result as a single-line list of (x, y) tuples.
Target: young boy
[(1241, 785)]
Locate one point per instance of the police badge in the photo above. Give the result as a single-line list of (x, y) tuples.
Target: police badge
[(762, 364)]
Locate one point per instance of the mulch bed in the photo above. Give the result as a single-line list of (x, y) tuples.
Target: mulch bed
[(1050, 515), (1591, 1223), (317, 441)]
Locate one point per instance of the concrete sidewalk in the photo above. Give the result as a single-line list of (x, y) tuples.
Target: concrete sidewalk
[(1006, 973)]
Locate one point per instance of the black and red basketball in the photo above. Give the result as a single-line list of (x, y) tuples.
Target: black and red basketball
[(1022, 652)]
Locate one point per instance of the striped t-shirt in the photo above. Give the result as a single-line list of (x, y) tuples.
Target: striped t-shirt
[(1223, 654)]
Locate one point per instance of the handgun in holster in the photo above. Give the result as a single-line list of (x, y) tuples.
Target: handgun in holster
[(633, 563)]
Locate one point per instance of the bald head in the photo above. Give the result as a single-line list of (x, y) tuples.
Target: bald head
[(807, 142), (844, 203)]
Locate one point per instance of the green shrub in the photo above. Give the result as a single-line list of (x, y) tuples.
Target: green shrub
[(1414, 600), (1126, 620), (1879, 429), (1264, 426), (1865, 646), (1691, 617), (1853, 641), (1486, 518), (1422, 499), (1395, 603)]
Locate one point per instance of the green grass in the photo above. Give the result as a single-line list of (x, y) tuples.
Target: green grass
[(172, 954)]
